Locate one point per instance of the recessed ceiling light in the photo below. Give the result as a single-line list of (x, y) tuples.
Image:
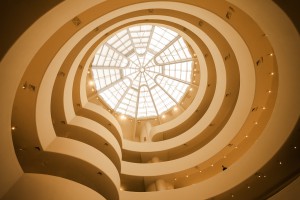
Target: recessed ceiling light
[(123, 117), (91, 83), (13, 128)]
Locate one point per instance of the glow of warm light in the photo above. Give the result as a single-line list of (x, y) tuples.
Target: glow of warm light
[(123, 117), (191, 89), (163, 116), (91, 83), (13, 128), (175, 108)]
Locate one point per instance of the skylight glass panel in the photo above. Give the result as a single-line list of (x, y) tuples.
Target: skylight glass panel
[(182, 71), (175, 52), (142, 71)]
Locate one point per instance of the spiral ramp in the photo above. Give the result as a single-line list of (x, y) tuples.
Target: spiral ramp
[(237, 135)]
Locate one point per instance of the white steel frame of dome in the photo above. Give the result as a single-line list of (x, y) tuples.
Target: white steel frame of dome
[(143, 70)]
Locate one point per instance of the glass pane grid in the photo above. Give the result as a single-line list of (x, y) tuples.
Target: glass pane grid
[(128, 78)]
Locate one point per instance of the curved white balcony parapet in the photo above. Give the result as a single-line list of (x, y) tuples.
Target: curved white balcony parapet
[(111, 142), (94, 157), (43, 186)]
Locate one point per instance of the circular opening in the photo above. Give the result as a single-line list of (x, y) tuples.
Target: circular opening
[(143, 70)]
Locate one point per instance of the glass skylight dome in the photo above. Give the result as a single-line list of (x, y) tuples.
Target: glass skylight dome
[(142, 71)]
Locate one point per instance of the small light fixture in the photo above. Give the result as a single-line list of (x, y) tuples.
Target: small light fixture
[(295, 147), (175, 179), (272, 73), (24, 86), (255, 123), (280, 163), (175, 109), (224, 156), (212, 165), (269, 91), (91, 83), (200, 171), (264, 108), (13, 128), (271, 54), (123, 117), (163, 116), (246, 136), (187, 176), (248, 187), (191, 89)]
